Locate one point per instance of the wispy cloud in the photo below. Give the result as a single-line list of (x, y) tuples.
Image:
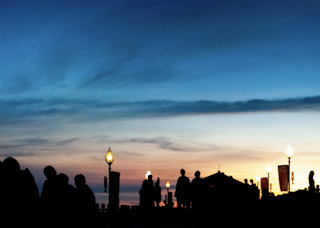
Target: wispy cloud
[(28, 146), (161, 142), (77, 110)]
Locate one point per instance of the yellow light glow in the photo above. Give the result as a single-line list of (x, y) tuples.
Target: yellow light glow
[(148, 174), (268, 169), (109, 157), (289, 152), (167, 184)]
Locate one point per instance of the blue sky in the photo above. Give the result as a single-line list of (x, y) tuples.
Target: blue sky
[(80, 76)]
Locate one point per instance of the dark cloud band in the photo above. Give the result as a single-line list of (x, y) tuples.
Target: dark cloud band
[(27, 109)]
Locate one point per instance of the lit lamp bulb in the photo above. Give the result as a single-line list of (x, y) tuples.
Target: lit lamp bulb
[(289, 151), (148, 174), (257, 178), (109, 157), (268, 169), (167, 185)]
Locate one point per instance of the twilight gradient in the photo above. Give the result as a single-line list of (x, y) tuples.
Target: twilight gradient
[(166, 84)]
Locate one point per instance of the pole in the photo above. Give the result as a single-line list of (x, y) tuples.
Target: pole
[(268, 181), (109, 182), (289, 177)]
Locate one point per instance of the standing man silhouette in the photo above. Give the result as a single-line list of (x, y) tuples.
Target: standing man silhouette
[(183, 190), (311, 182), (157, 191), (147, 193), (196, 191)]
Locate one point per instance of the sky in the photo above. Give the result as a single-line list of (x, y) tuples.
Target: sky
[(201, 85)]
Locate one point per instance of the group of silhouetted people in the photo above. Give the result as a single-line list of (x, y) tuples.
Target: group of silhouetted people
[(19, 195), (186, 192), (60, 199), (189, 192), (58, 202), (150, 194)]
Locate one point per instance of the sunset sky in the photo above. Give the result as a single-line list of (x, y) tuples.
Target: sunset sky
[(166, 84)]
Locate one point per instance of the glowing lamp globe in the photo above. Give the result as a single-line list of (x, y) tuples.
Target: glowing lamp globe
[(268, 169), (167, 184), (109, 157), (289, 152)]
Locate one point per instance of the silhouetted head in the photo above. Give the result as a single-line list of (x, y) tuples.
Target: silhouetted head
[(183, 172), (1, 167), (49, 172), (246, 181), (150, 177), (11, 165), (197, 174), (79, 180), (157, 182), (311, 173), (63, 179)]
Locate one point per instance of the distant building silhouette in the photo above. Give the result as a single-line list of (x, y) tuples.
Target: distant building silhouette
[(220, 188)]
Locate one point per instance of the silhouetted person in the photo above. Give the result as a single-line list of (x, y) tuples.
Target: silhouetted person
[(50, 194), (19, 191), (311, 182), (183, 190), (147, 193), (157, 190), (197, 191), (1, 187), (245, 190), (85, 202), (66, 197)]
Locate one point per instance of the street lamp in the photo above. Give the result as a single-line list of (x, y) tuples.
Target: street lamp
[(268, 169), (289, 153), (148, 174), (167, 185), (257, 179), (109, 159), (168, 196)]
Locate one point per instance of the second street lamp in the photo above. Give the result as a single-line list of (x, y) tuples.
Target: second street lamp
[(289, 153), (268, 169), (109, 159), (168, 186)]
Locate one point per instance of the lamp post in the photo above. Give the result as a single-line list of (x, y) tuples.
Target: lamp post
[(268, 169), (257, 179), (169, 203), (109, 160), (168, 186), (289, 153)]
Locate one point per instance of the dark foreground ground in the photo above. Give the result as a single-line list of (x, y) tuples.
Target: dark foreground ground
[(275, 214)]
